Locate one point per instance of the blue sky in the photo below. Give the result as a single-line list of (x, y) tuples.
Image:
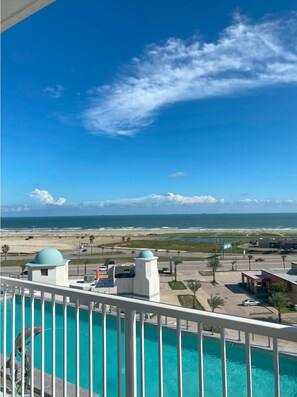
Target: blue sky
[(133, 107)]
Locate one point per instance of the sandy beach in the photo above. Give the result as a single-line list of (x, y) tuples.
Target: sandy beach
[(67, 240), (63, 241), (20, 243)]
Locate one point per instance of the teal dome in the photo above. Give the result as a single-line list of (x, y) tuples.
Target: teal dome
[(146, 254), (49, 256)]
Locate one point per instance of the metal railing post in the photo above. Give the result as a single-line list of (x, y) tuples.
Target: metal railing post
[(130, 352)]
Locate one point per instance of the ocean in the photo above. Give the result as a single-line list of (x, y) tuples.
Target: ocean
[(153, 222)]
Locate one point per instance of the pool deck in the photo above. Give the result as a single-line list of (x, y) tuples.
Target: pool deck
[(71, 390)]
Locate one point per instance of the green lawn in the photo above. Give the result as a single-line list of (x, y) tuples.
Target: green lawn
[(177, 285), (187, 301)]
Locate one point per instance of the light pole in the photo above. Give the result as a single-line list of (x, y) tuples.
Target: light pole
[(78, 262)]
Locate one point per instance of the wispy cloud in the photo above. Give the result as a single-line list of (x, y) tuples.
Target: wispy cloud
[(45, 197), (156, 203), (178, 174), (15, 208), (155, 199), (174, 200), (55, 91), (247, 55), (262, 203)]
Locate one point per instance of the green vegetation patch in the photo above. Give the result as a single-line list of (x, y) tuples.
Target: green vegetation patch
[(187, 301), (188, 246), (237, 234), (177, 285), (14, 262)]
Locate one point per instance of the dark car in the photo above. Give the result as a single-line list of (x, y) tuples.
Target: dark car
[(259, 260)]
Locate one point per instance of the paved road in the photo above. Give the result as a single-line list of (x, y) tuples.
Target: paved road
[(271, 261)]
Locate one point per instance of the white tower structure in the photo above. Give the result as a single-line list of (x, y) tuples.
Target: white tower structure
[(49, 267), (146, 283)]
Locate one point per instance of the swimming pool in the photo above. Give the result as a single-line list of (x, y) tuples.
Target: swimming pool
[(262, 361)]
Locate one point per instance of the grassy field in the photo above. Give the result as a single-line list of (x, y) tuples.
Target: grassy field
[(171, 245), (237, 234)]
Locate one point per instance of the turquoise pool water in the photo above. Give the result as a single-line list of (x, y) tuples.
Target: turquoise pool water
[(262, 361)]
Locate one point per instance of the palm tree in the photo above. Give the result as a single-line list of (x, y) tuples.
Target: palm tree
[(194, 286), (236, 244), (215, 302), (234, 265), (214, 264), (5, 248), (106, 261), (176, 263), (250, 258), (91, 238), (23, 267), (279, 300), (284, 260)]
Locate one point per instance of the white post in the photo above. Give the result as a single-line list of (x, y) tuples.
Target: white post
[(130, 352)]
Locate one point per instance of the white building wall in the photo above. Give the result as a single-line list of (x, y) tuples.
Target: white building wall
[(62, 275), (124, 285), (56, 274), (146, 283)]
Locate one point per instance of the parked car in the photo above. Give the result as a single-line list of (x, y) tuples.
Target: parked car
[(24, 273), (251, 302), (102, 268), (165, 270), (259, 260)]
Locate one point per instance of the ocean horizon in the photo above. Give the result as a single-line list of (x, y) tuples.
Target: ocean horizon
[(180, 221)]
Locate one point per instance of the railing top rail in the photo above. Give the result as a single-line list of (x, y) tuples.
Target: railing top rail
[(221, 320)]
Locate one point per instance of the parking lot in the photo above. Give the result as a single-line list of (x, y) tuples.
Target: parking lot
[(228, 289)]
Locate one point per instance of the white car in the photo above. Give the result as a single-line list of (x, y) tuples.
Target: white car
[(102, 268), (251, 302)]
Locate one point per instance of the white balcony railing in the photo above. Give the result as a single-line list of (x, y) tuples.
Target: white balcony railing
[(73, 368)]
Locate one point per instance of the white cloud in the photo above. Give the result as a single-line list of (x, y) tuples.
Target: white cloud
[(46, 198), (253, 202), (249, 201), (247, 55), (178, 174), (172, 200), (157, 200), (159, 203), (15, 208), (55, 91)]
